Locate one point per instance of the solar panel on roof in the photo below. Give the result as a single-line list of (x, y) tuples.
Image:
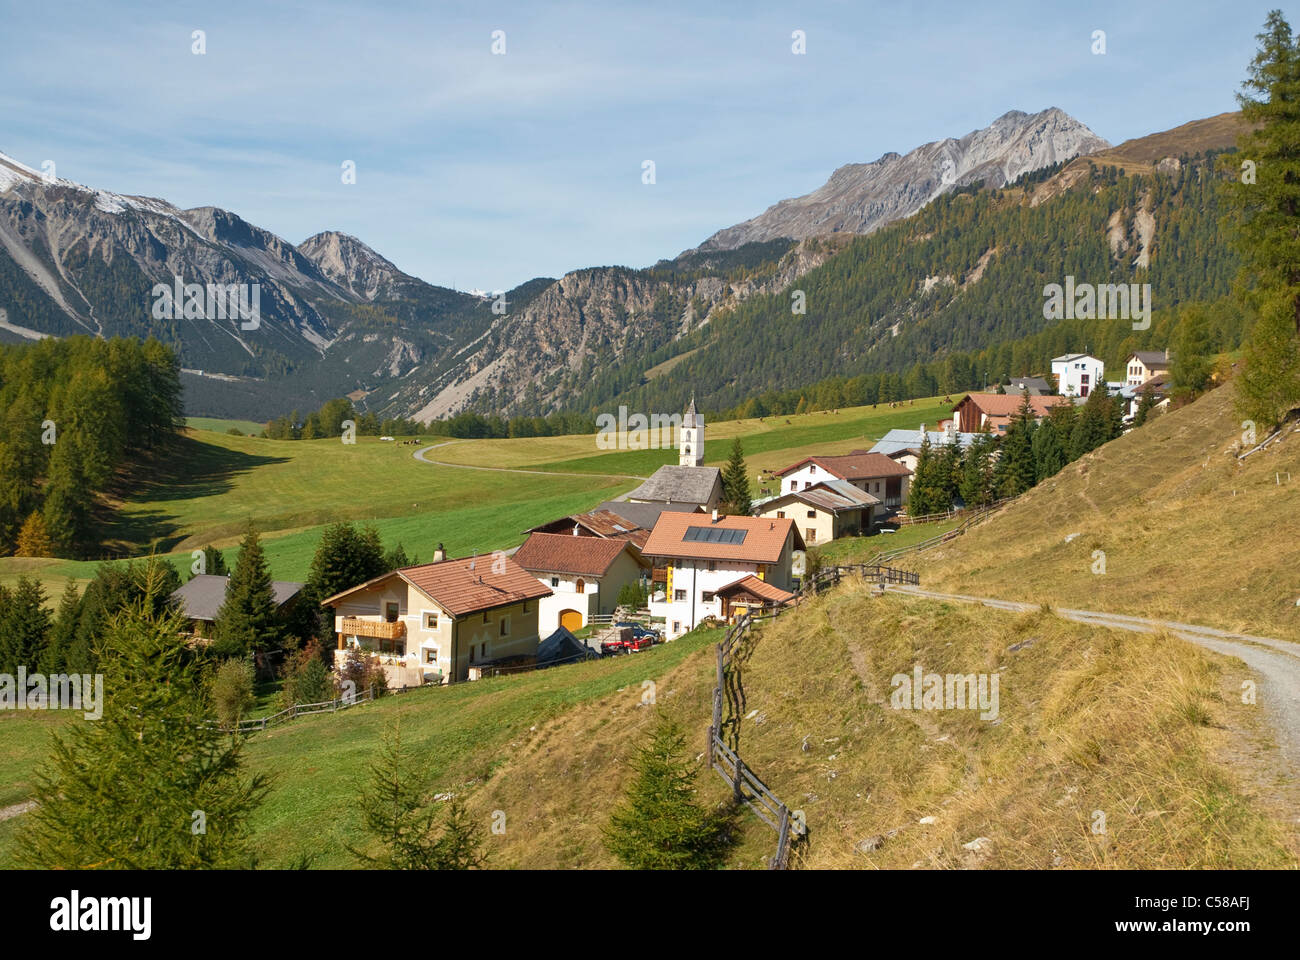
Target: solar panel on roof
[(714, 535)]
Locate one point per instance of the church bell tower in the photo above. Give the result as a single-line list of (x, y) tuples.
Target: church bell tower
[(690, 446)]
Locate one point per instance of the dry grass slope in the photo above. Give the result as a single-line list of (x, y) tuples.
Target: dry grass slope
[(1189, 533)]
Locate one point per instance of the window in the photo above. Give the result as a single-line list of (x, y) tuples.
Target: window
[(812, 514), (485, 616), (713, 564), (580, 586), (555, 581), (391, 609), (505, 626), (780, 514), (708, 596), (679, 595), (526, 606), (677, 626), (431, 619), (810, 534), (431, 655), (396, 647)]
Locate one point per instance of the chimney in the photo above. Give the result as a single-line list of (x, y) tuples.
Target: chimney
[(715, 514), (575, 529), (439, 555)]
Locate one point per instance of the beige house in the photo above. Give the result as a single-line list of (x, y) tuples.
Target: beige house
[(823, 512), (1144, 365), (584, 573), (444, 621)]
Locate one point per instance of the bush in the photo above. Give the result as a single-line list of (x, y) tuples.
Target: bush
[(232, 691), (307, 678), (363, 670)]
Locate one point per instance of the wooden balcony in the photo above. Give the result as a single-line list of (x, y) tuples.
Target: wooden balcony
[(379, 629), (659, 575)]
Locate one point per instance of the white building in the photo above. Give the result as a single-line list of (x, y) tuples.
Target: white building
[(710, 566), (585, 575), (1077, 374)]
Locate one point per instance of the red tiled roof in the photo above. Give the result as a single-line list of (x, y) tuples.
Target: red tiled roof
[(764, 538), (467, 585), (565, 553), (855, 466), (1007, 405), (755, 587)]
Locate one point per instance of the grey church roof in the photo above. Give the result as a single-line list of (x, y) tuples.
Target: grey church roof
[(680, 485)]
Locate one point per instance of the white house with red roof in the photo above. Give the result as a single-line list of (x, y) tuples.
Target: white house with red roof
[(873, 473), (715, 566), (584, 574)]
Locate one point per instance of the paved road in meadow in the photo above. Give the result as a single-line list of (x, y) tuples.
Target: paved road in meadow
[(1276, 662)]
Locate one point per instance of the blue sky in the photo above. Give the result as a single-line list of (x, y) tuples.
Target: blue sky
[(481, 170)]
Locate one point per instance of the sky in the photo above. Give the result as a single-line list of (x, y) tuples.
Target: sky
[(477, 169)]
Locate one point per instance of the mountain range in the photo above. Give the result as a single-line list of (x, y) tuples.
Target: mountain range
[(336, 317)]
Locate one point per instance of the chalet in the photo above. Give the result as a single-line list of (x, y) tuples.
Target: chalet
[(438, 621), (1144, 365), (872, 473), (1076, 374), (995, 411), (201, 597), (712, 566), (904, 446), (601, 523), (1034, 386), (823, 512), (689, 482), (584, 574)]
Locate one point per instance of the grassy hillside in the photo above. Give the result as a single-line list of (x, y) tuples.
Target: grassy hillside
[(461, 735), (1137, 726), (1188, 533)]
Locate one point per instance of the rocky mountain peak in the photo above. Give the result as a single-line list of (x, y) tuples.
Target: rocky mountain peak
[(863, 197)]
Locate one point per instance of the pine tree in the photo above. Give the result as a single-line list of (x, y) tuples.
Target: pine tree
[(1093, 426), (1193, 360), (150, 785), (977, 472), (214, 564), (344, 558), (402, 818), (1049, 451), (1146, 403), (246, 621), (33, 540), (1017, 469), (63, 633), (660, 825), (921, 496), (1267, 239), (24, 627), (735, 480)]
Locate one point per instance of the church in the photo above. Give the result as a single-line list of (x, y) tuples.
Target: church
[(689, 483)]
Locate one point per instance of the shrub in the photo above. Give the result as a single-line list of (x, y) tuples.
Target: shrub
[(232, 691)]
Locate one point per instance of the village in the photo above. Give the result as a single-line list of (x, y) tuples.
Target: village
[(668, 556)]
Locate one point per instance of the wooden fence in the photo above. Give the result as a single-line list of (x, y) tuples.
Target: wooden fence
[(307, 709), (973, 517), (725, 758)]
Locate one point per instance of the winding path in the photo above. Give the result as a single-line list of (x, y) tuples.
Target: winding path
[(420, 455), (1276, 662)]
